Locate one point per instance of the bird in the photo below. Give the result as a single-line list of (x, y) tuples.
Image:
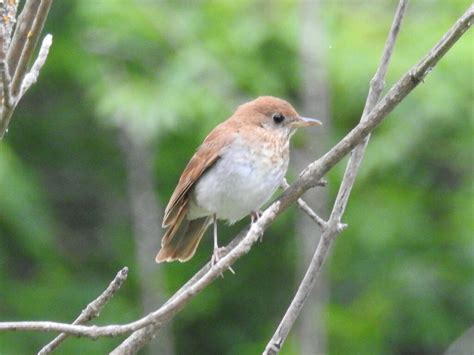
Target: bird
[(232, 174)]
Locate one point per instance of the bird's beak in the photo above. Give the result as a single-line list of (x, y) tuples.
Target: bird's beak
[(305, 122)]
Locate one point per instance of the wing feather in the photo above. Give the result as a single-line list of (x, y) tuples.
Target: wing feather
[(206, 156)]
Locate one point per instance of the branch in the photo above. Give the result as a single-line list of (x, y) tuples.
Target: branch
[(92, 310), (306, 209), (7, 21), (33, 74), (140, 338), (307, 284), (29, 27), (24, 23), (30, 44), (171, 307), (6, 101), (308, 178)]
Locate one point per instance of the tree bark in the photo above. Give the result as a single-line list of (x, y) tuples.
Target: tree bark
[(145, 216), (315, 103)]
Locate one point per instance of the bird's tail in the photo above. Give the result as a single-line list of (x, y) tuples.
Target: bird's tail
[(183, 244)]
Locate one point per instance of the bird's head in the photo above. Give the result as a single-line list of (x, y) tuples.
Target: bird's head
[(273, 114)]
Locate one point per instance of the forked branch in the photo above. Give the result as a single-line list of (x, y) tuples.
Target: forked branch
[(16, 53), (91, 311), (332, 230)]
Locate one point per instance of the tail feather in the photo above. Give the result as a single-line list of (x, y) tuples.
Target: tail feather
[(183, 243)]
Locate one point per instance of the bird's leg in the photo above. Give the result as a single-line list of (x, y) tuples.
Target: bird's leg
[(217, 251), (254, 216), (214, 221)]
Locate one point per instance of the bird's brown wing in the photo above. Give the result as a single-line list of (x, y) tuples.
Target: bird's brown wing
[(206, 155)]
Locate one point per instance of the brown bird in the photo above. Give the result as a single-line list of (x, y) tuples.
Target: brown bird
[(232, 174)]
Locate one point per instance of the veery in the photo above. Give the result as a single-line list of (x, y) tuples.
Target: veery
[(232, 174)]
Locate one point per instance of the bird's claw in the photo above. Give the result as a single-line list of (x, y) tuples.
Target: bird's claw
[(255, 215), (216, 256)]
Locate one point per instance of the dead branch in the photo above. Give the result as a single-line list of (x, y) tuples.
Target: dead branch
[(92, 310), (17, 52), (306, 209)]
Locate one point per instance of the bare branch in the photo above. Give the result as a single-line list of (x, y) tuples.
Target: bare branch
[(24, 23), (92, 310), (6, 101), (304, 290), (141, 337), (309, 177), (8, 20), (305, 208), (395, 95), (33, 74), (20, 51), (173, 305), (30, 44), (375, 90), (5, 77)]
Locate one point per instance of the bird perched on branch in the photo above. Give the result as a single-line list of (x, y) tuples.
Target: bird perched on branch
[(233, 173)]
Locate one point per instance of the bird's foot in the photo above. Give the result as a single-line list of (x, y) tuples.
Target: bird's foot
[(216, 256), (255, 215)]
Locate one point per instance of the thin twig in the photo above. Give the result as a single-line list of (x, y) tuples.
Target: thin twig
[(6, 100), (307, 284), (31, 40), (92, 310), (6, 94), (33, 74), (24, 23), (307, 179), (306, 209), (27, 33)]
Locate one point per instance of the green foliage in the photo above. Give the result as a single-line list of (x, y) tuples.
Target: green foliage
[(167, 72)]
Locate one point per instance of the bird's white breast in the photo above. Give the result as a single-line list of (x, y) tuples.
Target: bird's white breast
[(241, 181)]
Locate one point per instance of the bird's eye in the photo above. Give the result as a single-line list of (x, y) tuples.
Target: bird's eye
[(278, 118)]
